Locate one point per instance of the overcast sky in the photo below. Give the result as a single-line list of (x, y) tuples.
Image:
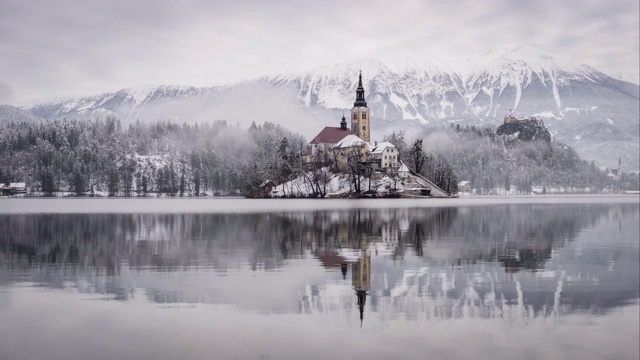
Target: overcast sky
[(66, 47)]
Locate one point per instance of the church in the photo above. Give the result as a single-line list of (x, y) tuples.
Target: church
[(334, 144)]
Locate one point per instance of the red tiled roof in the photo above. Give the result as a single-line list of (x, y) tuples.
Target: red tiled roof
[(331, 259), (330, 135)]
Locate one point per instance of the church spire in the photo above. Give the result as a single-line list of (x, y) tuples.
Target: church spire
[(360, 102), (343, 123)]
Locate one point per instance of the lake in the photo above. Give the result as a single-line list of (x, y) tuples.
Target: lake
[(470, 278)]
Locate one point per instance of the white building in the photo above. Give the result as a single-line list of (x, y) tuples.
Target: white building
[(464, 186), (404, 171), (18, 188), (385, 155)]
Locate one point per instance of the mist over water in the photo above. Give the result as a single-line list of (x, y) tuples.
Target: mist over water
[(457, 281)]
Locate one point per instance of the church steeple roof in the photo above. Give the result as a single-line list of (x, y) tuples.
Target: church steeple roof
[(360, 102)]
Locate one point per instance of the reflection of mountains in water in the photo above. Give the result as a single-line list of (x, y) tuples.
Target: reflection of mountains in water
[(426, 262)]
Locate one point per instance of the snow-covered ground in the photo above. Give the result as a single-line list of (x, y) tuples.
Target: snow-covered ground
[(336, 185)]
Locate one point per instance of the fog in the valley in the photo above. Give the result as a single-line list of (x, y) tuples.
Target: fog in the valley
[(241, 104)]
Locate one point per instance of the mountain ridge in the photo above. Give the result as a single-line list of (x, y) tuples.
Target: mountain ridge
[(579, 104)]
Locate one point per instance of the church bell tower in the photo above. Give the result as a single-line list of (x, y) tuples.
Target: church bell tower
[(360, 114)]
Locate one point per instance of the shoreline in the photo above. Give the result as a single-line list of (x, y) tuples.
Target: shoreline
[(114, 206)]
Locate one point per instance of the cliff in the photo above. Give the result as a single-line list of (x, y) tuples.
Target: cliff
[(524, 130)]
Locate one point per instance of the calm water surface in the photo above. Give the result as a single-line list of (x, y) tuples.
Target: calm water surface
[(499, 278)]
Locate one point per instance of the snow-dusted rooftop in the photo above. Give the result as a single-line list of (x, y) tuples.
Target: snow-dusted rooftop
[(350, 141), (380, 147)]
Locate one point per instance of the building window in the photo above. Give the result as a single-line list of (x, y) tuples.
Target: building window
[(355, 116), (364, 115), (364, 128)]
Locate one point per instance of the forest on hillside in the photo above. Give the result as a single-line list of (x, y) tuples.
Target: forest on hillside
[(495, 164), (101, 157)]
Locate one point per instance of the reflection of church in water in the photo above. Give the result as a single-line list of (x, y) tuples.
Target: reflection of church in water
[(361, 279), (360, 276), (349, 245), (354, 256)]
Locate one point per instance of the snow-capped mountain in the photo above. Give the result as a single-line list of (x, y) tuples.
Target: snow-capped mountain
[(127, 103), (580, 105), (407, 92)]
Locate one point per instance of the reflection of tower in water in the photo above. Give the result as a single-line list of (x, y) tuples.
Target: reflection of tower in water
[(361, 278)]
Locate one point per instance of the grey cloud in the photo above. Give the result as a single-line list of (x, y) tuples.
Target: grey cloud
[(71, 46)]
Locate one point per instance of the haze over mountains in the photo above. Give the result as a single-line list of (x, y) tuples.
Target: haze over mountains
[(596, 113)]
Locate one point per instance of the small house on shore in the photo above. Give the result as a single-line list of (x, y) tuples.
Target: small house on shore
[(464, 186), (14, 188), (267, 186)]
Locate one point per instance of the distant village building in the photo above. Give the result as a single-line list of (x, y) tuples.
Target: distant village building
[(17, 188)]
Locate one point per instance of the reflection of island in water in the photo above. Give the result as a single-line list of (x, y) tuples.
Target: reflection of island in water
[(428, 262)]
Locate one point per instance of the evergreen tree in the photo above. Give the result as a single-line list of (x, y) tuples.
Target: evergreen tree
[(417, 156)]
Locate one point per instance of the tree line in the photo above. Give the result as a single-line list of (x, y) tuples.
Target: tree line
[(493, 163), (100, 155)]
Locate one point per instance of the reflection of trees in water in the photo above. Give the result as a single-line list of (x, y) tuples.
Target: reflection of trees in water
[(94, 247), (521, 236), (454, 283), (163, 242), (518, 236)]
